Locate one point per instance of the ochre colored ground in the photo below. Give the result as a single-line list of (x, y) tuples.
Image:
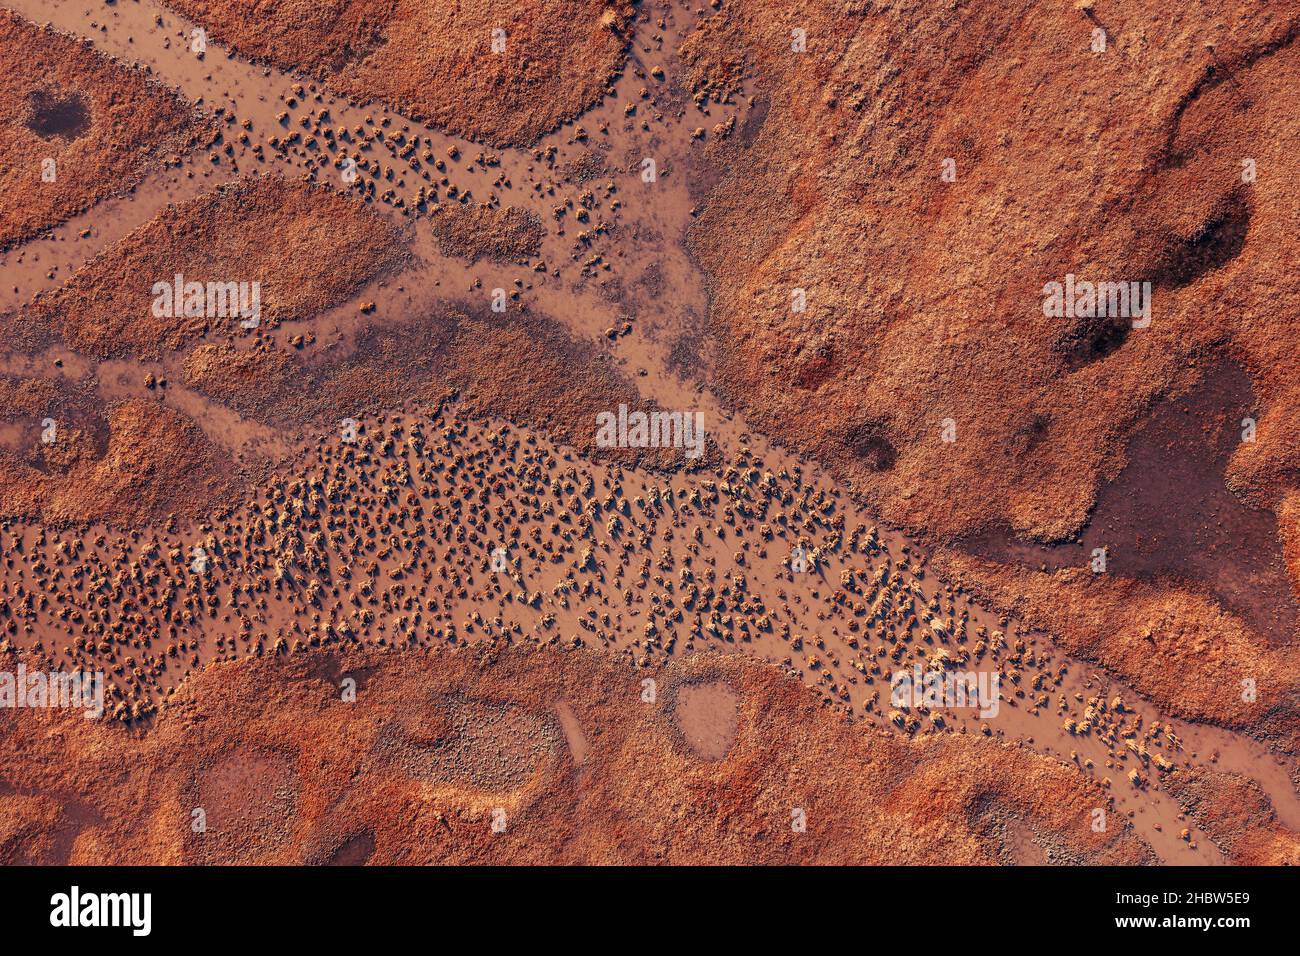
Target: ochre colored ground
[(324, 249), (286, 771), (103, 124), (924, 301), (440, 330), (437, 63)]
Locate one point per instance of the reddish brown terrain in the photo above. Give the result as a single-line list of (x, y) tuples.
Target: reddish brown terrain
[(76, 126), (437, 63), (365, 581), (931, 290), (559, 741)]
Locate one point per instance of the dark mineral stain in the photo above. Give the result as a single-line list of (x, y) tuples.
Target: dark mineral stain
[(1092, 339), (871, 446), (1217, 242), (51, 113), (1170, 515), (354, 851)]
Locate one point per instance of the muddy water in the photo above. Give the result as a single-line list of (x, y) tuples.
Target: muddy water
[(616, 267), (820, 648), (591, 278), (48, 261), (611, 270)]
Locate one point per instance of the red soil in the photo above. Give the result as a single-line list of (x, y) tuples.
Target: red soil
[(104, 125)]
